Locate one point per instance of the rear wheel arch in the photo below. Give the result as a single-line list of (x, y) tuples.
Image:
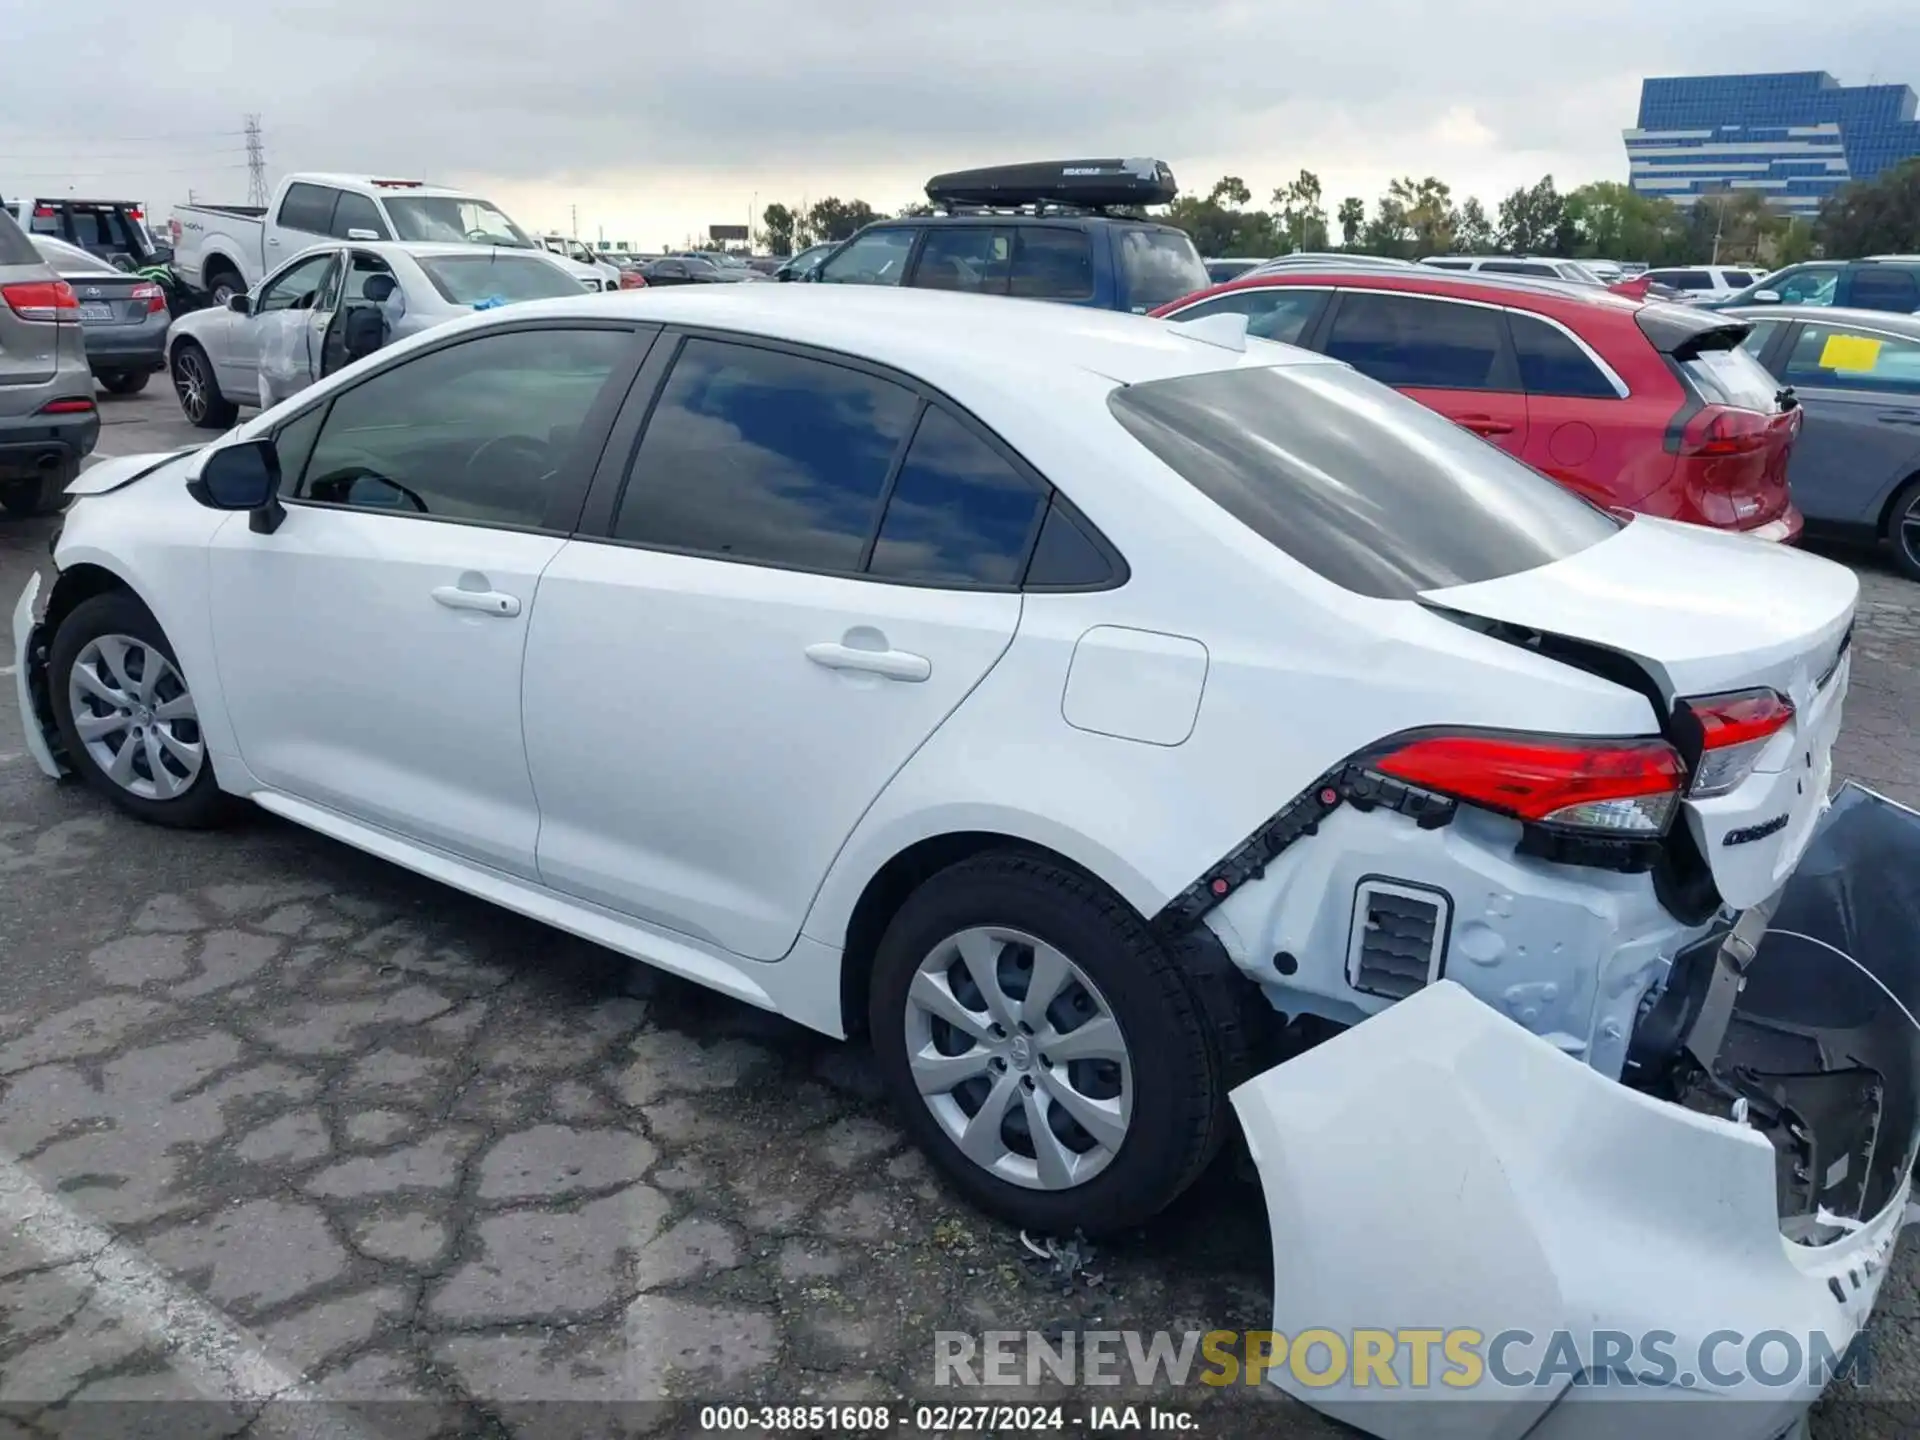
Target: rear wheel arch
[(1905, 496)]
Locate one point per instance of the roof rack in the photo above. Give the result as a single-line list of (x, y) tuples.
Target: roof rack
[(1060, 186)]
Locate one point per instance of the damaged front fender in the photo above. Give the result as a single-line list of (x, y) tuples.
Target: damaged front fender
[(29, 679)]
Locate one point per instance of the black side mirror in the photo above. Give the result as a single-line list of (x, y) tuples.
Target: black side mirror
[(243, 477), (240, 304)]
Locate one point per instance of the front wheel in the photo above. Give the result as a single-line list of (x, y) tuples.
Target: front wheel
[(127, 716), (200, 398), (1043, 1048), (1903, 529)]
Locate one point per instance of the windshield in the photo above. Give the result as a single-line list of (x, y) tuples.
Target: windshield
[(470, 279), (1160, 265), (1367, 488), (454, 219)]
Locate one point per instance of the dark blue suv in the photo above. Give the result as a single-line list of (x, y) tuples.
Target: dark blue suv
[(1036, 232)]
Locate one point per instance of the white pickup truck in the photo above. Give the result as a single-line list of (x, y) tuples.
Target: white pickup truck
[(226, 249)]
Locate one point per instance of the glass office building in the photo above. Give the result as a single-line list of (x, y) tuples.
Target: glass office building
[(1796, 138)]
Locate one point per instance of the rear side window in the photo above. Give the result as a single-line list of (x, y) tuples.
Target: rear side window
[(763, 456), (1052, 263), (1738, 279), (357, 212), (309, 208), (1369, 489), (960, 514), (15, 248), (1551, 363), (1416, 343), (1878, 287), (1159, 266), (971, 258)]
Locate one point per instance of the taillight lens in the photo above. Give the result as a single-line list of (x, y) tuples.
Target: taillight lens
[(155, 297), (1734, 731), (40, 299), (67, 407), (1614, 787), (1719, 430), (631, 281)]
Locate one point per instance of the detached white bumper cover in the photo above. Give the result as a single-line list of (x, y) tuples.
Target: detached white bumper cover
[(1438, 1167), (23, 626)]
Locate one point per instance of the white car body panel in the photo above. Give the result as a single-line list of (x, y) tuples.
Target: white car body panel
[(23, 613), (1503, 1186)]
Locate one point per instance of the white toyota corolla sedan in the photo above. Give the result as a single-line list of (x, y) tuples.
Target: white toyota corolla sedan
[(1103, 714)]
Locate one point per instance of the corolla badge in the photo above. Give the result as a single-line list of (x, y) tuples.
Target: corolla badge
[(1756, 832)]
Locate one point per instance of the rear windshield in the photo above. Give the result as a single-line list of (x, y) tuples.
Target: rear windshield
[(1159, 266), (15, 248), (1732, 377), (469, 279), (1360, 484)]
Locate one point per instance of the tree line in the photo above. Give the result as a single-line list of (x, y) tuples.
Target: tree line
[(1418, 217)]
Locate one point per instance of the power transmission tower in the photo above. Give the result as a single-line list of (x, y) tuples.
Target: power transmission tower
[(256, 164)]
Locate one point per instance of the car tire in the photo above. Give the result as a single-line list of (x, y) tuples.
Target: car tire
[(224, 287), (38, 495), (1903, 529), (126, 382), (1156, 1115), (197, 390), (131, 674)]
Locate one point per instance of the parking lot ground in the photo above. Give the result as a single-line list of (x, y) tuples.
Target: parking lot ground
[(281, 1123)]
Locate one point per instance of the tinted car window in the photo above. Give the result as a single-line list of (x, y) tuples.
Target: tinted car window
[(357, 212), (1881, 287), (959, 512), (1159, 266), (1409, 341), (1064, 557), (1369, 489), (759, 455), (1449, 264), (1837, 357), (1279, 312), (1737, 278), (1520, 267), (479, 431), (1551, 363), (1682, 279), (878, 257), (491, 275), (309, 208), (1052, 263), (973, 258)]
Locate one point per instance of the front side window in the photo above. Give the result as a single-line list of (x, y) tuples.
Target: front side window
[(878, 257), (455, 219), (1369, 489), (959, 514), (357, 212), (1843, 358), (1552, 363), (1052, 263), (298, 285), (488, 275), (1276, 312), (308, 208), (1417, 343), (479, 431), (1805, 285), (1159, 266), (974, 258), (759, 455)]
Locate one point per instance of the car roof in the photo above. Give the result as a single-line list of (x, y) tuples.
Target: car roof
[(1432, 280), (1019, 217), (1890, 320), (374, 183), (943, 337), (424, 249)]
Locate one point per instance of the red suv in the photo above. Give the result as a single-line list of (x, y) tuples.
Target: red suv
[(1637, 405)]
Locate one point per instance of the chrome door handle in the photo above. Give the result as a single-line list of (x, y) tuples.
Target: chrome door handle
[(894, 664), (486, 602)]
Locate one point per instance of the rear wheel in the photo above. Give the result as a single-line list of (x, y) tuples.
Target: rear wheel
[(1903, 529), (127, 716), (125, 382), (41, 494), (1043, 1048), (223, 286), (200, 398)]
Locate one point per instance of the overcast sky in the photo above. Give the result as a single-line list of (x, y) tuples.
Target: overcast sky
[(656, 119)]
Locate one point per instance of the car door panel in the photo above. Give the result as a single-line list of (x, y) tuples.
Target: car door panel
[(1862, 434), (700, 744)]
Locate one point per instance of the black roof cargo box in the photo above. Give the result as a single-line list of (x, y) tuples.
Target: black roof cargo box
[(1088, 184)]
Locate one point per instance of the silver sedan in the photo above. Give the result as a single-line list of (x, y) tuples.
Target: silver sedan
[(334, 303)]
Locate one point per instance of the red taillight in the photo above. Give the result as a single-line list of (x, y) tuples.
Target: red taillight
[(40, 299), (1734, 730), (45, 212), (1619, 787), (136, 215), (67, 407), (1719, 430), (631, 281), (155, 297)]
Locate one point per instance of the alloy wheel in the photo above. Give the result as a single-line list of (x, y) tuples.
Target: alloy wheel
[(1906, 533), (1019, 1057), (192, 384), (135, 716)]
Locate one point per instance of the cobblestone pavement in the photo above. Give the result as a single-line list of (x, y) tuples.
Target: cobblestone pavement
[(279, 1120)]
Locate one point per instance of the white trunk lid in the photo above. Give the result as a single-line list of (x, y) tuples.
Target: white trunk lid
[(1704, 613)]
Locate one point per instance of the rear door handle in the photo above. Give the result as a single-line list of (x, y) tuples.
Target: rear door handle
[(1486, 425), (894, 664), (485, 602)]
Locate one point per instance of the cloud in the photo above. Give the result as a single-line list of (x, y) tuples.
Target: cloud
[(662, 117)]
